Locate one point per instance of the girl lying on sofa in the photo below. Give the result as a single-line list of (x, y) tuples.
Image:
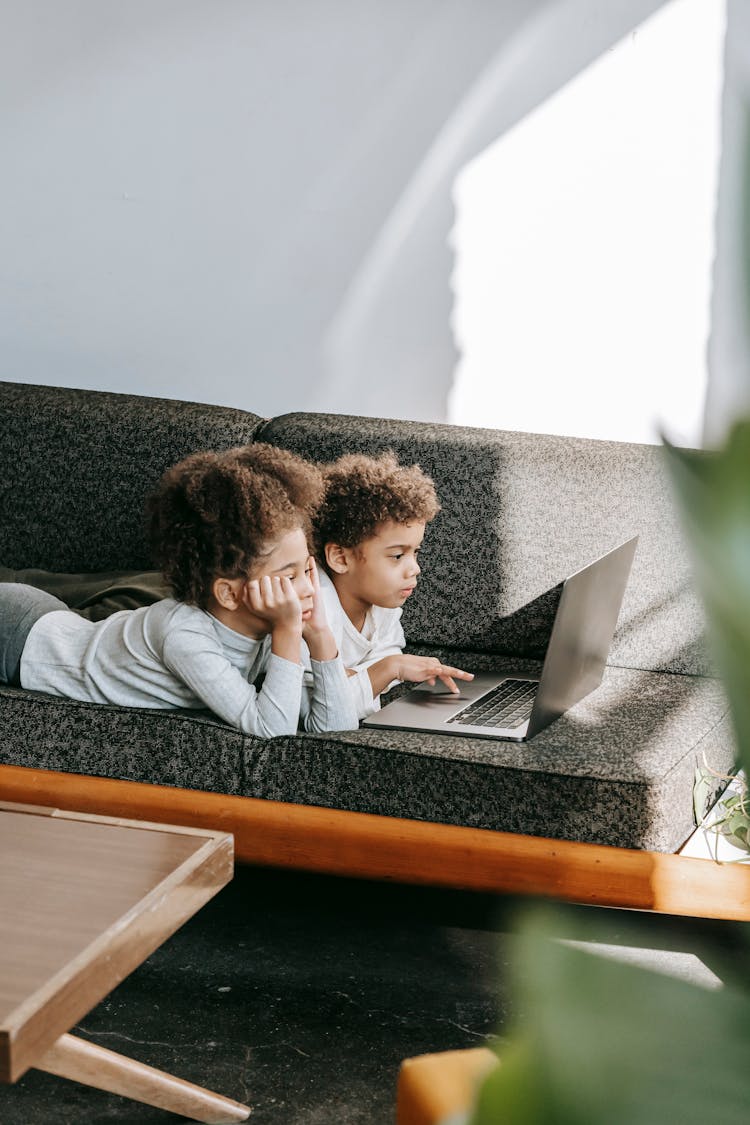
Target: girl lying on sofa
[(230, 531)]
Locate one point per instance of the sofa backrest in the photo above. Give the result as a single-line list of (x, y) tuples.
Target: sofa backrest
[(76, 467), (519, 513)]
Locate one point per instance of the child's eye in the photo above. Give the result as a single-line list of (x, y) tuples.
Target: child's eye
[(399, 556), (308, 571)]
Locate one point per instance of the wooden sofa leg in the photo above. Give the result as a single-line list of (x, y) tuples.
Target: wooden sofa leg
[(363, 845)]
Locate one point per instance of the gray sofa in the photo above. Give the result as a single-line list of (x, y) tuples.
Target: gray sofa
[(519, 512)]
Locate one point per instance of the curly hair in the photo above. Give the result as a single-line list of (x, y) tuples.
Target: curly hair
[(213, 514), (362, 493)]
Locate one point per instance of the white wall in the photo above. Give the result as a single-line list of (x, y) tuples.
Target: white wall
[(729, 346), (585, 245), (249, 202), (189, 186), (411, 358)]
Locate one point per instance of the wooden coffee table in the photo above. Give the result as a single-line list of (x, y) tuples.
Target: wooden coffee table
[(83, 901)]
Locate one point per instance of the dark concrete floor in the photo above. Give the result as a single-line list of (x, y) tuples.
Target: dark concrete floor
[(302, 994)]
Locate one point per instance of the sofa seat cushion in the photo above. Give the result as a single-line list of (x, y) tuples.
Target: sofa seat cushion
[(631, 787), (617, 769), (188, 749)]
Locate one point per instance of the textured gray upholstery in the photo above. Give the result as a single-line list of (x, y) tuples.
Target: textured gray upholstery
[(76, 467), (520, 511), (185, 749), (617, 769)]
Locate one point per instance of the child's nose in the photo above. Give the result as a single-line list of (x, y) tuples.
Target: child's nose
[(306, 588), (415, 567)]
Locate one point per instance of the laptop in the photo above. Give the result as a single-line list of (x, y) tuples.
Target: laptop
[(515, 705)]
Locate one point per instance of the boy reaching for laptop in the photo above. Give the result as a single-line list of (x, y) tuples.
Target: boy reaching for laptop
[(368, 533)]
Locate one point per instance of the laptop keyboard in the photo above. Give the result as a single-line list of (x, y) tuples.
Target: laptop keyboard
[(507, 705)]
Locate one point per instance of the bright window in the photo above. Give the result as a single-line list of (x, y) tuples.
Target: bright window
[(584, 243)]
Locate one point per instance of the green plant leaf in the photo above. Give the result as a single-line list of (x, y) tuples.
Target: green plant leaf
[(704, 786), (734, 827), (713, 493), (607, 1042), (603, 1043)]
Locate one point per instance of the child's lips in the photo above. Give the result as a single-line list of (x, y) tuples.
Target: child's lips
[(407, 590)]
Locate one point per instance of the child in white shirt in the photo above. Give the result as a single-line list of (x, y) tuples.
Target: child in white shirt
[(230, 531), (368, 532)]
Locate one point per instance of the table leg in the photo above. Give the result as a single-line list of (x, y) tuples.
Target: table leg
[(85, 1062)]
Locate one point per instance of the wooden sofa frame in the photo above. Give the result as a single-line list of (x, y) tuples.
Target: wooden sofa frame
[(368, 846)]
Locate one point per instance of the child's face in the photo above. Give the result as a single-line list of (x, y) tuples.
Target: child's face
[(383, 569), (289, 557)]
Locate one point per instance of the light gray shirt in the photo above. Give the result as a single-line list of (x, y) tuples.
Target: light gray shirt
[(170, 655)]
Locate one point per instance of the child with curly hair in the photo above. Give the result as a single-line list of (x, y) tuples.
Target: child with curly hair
[(230, 531), (368, 533)]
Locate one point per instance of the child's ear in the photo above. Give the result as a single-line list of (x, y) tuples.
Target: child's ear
[(227, 591), (337, 558)]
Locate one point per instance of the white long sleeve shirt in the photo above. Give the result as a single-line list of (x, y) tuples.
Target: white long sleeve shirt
[(382, 635), (171, 655)]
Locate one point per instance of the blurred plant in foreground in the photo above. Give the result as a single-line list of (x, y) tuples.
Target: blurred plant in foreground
[(607, 1043), (604, 1043)]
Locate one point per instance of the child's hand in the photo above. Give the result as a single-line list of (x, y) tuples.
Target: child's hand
[(427, 669), (274, 600), (315, 629), (314, 621)]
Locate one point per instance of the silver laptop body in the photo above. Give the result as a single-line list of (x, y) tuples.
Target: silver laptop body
[(574, 664)]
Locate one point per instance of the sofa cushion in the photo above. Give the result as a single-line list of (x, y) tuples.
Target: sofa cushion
[(77, 466), (616, 769), (632, 788), (187, 749), (519, 513)]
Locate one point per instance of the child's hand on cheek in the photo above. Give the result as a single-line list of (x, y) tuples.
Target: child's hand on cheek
[(318, 636), (274, 600), (315, 620)]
